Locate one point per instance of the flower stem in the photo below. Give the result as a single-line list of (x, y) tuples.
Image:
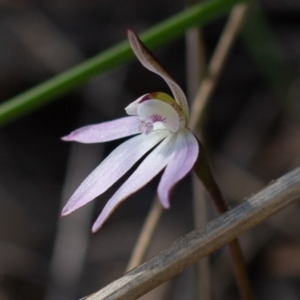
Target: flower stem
[(203, 172)]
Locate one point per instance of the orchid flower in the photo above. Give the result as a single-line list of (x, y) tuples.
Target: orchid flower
[(161, 124)]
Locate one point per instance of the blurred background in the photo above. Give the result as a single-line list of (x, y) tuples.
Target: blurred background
[(251, 129)]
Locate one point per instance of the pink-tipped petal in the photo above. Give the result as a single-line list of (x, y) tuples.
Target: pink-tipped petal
[(183, 159), (150, 62), (149, 168), (131, 109), (106, 131), (112, 168)]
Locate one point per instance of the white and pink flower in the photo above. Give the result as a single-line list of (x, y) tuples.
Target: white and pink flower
[(161, 124)]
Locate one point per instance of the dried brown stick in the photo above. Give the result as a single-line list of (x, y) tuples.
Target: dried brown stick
[(201, 242)]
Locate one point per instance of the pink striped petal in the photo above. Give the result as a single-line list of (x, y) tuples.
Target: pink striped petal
[(149, 168), (112, 168), (106, 131), (182, 161), (149, 61)]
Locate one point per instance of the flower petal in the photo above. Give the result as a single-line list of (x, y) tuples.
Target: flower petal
[(112, 168), (148, 169), (106, 131), (162, 111), (184, 157), (149, 62), (131, 109)]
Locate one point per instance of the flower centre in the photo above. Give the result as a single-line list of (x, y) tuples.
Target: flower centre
[(146, 125), (157, 111)]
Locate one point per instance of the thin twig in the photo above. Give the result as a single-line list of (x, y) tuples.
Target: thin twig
[(217, 63), (195, 72), (145, 235), (201, 242), (203, 275)]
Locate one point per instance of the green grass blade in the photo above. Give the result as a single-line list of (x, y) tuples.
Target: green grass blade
[(162, 33)]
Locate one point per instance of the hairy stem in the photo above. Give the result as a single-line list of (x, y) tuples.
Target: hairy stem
[(203, 171)]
